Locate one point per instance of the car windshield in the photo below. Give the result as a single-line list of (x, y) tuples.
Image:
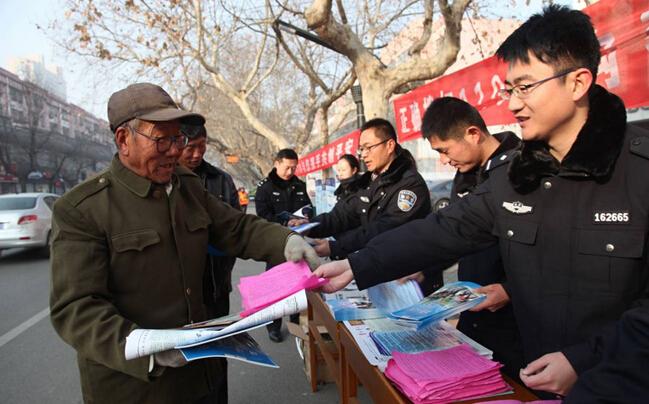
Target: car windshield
[(20, 203)]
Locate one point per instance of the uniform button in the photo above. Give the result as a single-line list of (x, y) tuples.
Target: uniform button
[(157, 194), (510, 233), (382, 193), (102, 180), (610, 247), (504, 156), (636, 141), (475, 325), (379, 208), (363, 211), (188, 291), (547, 185)]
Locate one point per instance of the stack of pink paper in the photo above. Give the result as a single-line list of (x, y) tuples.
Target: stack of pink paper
[(276, 284), (453, 374)]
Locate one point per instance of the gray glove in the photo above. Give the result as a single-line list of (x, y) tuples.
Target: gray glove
[(297, 249), (171, 359)]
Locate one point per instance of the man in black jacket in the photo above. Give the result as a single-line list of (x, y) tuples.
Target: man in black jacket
[(218, 274), (279, 196), (391, 193), (569, 209), (458, 133)]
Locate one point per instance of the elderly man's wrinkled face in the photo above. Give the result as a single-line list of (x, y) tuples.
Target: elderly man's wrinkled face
[(141, 152), (193, 153)]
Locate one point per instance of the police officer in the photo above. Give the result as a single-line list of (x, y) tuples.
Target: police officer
[(391, 193), (281, 193), (278, 196), (129, 250), (348, 173), (458, 133), (570, 209), (218, 272)]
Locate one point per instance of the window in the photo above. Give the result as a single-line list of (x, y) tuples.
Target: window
[(16, 95), (17, 203)]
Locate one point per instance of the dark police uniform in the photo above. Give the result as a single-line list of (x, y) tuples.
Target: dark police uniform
[(347, 188), (573, 235), (276, 197), (394, 197), (496, 330), (622, 376)]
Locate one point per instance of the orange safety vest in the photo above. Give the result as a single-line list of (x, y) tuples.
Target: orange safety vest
[(243, 198)]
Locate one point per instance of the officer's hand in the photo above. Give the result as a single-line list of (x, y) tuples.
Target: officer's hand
[(417, 276), (297, 222), (497, 297), (171, 358), (297, 249), (551, 372), (338, 273), (322, 247)]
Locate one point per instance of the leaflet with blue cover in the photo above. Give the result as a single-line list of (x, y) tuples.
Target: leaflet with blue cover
[(241, 347), (445, 302)]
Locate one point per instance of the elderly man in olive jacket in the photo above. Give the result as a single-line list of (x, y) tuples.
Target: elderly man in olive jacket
[(129, 252)]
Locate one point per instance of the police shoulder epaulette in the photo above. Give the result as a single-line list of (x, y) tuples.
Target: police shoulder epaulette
[(86, 189), (499, 160), (640, 146), (262, 182)]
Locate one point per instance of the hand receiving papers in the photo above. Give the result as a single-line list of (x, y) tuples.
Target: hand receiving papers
[(275, 284)]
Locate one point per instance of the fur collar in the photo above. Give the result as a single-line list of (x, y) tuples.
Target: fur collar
[(397, 169), (593, 154)]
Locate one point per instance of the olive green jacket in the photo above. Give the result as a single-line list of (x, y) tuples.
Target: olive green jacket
[(126, 255)]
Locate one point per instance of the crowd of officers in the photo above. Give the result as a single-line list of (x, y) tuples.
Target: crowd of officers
[(554, 226)]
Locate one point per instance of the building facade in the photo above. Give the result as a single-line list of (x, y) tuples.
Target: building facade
[(46, 144)]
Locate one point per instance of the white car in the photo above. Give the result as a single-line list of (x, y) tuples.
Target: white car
[(26, 220)]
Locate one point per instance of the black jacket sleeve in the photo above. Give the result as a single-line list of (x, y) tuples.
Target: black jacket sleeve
[(622, 374), (456, 230), (264, 205), (392, 217), (232, 193)]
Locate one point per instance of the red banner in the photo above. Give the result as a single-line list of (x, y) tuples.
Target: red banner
[(622, 27), (329, 154)]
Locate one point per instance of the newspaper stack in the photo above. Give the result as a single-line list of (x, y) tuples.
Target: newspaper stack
[(453, 374), (446, 302)]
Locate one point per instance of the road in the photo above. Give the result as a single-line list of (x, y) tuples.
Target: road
[(36, 366)]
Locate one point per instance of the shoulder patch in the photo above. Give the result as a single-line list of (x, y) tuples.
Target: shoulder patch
[(406, 200), (86, 189), (499, 160), (640, 146)]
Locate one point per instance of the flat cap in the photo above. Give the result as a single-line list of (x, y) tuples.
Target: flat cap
[(148, 102)]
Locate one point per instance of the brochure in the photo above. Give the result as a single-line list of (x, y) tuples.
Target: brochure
[(447, 301), (240, 347), (143, 342), (304, 227), (440, 335)]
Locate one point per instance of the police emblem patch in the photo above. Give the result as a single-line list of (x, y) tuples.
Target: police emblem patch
[(517, 207), (406, 200)]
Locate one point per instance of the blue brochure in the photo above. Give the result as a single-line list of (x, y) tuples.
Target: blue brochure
[(445, 302), (241, 347)]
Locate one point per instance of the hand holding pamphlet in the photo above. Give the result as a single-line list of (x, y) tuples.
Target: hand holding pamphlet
[(447, 301), (283, 280)]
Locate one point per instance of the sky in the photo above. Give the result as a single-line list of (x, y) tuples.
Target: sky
[(86, 86)]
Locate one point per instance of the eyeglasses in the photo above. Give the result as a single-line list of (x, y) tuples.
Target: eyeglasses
[(163, 144), (361, 150), (523, 91)]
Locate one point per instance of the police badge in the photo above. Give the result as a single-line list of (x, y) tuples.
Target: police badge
[(406, 200)]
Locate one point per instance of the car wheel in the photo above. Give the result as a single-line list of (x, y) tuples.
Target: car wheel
[(440, 204)]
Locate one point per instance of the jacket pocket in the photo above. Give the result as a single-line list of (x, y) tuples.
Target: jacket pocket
[(518, 231), (196, 222), (136, 240), (610, 260)]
